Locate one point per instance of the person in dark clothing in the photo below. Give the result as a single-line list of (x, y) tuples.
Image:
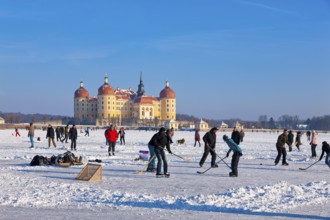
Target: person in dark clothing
[(87, 131), (241, 134), (237, 154), (50, 135), (235, 136), (308, 134), (197, 138), (151, 146), (326, 149), (122, 136), (66, 134), (163, 140), (298, 140), (280, 146), (290, 139), (209, 139), (58, 133), (73, 135)]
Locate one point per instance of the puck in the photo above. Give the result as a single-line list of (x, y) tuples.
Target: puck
[(260, 163)]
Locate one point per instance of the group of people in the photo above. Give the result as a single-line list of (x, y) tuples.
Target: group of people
[(71, 134), (287, 138)]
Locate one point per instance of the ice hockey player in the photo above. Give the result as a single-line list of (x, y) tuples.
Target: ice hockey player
[(326, 149), (235, 158), (210, 139), (280, 146)]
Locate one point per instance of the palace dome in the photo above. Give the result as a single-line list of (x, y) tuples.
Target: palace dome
[(167, 92), (106, 89), (81, 92)]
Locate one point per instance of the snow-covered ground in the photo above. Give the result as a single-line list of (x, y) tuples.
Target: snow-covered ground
[(261, 191)]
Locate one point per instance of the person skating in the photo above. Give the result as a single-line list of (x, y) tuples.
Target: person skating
[(325, 149), (163, 140), (298, 140), (290, 139), (280, 146), (87, 131), (50, 135), (235, 158), (209, 140), (151, 146), (17, 133), (313, 144), (73, 135), (31, 134), (112, 136), (122, 136), (197, 138)]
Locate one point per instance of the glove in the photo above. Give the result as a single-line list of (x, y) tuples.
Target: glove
[(227, 155), (170, 152)]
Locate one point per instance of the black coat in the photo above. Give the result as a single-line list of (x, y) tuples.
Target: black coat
[(210, 138), (50, 133), (73, 134), (290, 138), (282, 140), (236, 137)]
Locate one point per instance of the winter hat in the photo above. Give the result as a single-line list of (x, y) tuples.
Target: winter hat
[(162, 129), (214, 129)]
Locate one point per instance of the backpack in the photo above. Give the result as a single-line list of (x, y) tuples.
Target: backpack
[(38, 161)]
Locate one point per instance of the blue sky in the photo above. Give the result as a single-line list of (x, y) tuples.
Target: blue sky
[(224, 59)]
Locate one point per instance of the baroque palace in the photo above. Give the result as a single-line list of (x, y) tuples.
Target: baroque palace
[(124, 106)]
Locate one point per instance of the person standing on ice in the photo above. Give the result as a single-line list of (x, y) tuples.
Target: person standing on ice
[(241, 134), (73, 135), (326, 149), (313, 144), (122, 136), (235, 158), (209, 139), (280, 146), (308, 134), (235, 136), (197, 138), (31, 134), (112, 136), (290, 139), (163, 140), (298, 140), (66, 134), (50, 135), (151, 146)]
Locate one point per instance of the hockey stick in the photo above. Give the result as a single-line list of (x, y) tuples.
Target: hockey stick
[(309, 165), (201, 172), (218, 156), (183, 158), (145, 166)]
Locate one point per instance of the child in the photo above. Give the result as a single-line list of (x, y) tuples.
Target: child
[(325, 148), (237, 154)]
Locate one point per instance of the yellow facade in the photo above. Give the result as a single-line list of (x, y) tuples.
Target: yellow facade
[(114, 106)]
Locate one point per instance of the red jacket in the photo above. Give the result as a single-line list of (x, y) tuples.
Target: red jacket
[(112, 135)]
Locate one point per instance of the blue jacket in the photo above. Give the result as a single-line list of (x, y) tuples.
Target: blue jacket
[(232, 145)]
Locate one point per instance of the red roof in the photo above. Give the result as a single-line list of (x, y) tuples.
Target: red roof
[(167, 93), (81, 93), (146, 100), (106, 89)]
